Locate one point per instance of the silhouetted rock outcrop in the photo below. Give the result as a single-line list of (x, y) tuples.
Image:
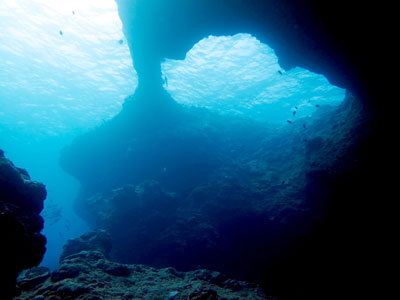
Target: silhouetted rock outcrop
[(331, 39), (22, 245)]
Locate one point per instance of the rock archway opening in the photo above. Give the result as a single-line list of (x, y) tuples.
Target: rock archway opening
[(246, 155), (240, 75)]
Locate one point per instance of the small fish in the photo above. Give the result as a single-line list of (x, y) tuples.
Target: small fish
[(283, 181), (61, 33), (290, 122), (73, 12), (304, 126), (120, 41), (316, 105), (296, 107), (280, 72), (172, 294), (294, 113)]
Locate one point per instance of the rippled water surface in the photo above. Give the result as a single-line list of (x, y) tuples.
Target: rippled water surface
[(65, 65)]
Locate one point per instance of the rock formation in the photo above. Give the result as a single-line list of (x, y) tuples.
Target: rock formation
[(328, 38), (218, 192), (240, 193), (89, 275), (98, 240), (22, 245), (227, 181)]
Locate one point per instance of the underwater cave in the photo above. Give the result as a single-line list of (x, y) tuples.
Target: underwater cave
[(187, 150)]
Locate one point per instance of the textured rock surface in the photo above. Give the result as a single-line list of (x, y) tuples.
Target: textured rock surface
[(88, 275), (98, 240), (22, 245)]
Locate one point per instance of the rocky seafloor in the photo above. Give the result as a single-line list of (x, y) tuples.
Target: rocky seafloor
[(89, 275)]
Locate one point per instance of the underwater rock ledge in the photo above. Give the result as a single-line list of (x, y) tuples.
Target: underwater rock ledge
[(351, 45), (187, 187), (22, 244), (89, 275)]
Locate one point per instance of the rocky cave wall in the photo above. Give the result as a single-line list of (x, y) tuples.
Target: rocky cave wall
[(343, 40), (22, 244), (222, 193), (158, 169)]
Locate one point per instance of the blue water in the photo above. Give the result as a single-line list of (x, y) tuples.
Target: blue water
[(65, 67), (239, 75), (55, 86)]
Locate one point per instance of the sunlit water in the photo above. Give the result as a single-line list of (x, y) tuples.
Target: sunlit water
[(65, 67), (239, 75), (62, 65)]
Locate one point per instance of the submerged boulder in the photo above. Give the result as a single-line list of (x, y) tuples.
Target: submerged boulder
[(22, 244), (98, 240)]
